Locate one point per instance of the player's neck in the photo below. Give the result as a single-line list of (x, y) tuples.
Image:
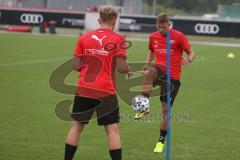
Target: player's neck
[(106, 27), (162, 34)]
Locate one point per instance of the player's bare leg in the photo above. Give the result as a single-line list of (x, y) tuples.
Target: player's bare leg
[(114, 141), (163, 124), (74, 133), (150, 75), (72, 140), (149, 78), (163, 129)]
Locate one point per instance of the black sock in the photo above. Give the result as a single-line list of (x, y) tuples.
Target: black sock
[(146, 95), (116, 154), (163, 134), (69, 151)]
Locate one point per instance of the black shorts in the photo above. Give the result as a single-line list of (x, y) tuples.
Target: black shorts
[(162, 82), (105, 110)]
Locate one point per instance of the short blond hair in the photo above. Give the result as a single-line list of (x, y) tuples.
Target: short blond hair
[(108, 14)]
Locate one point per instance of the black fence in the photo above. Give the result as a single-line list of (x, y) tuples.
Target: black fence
[(36, 17), (208, 28), (189, 27), (127, 23)]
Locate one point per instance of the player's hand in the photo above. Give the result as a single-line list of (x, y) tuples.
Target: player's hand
[(186, 61), (145, 69), (130, 73)]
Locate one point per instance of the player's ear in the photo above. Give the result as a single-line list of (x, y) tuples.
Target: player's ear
[(169, 24), (157, 25), (99, 20), (113, 24)]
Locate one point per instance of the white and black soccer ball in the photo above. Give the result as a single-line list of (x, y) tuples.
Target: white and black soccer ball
[(140, 103)]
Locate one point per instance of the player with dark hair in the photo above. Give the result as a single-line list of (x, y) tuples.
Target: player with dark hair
[(156, 74), (96, 56)]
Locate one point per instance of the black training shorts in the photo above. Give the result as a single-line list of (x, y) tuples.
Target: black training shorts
[(105, 110), (162, 82)]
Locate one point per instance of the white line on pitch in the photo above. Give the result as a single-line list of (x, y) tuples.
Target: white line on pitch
[(34, 61)]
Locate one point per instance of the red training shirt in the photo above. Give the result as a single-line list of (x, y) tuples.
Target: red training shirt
[(98, 49), (178, 44)]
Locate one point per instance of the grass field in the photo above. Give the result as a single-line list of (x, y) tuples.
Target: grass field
[(30, 130)]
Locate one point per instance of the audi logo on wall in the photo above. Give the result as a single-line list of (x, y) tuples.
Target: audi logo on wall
[(31, 18), (206, 28)]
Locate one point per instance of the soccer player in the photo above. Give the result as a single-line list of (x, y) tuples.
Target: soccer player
[(156, 74), (96, 56)]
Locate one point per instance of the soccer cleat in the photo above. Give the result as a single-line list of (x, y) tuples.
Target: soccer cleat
[(159, 147), (139, 115)]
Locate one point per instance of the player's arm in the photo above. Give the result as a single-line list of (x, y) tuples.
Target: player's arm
[(150, 58), (77, 62), (121, 59), (190, 57), (150, 55), (187, 48), (78, 52), (122, 66)]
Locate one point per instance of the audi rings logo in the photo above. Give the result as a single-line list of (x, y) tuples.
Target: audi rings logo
[(31, 18), (207, 28)]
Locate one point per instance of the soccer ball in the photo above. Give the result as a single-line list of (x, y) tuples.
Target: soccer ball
[(140, 103)]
